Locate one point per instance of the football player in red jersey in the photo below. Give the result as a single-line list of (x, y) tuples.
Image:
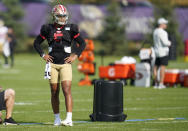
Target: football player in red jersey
[(60, 35)]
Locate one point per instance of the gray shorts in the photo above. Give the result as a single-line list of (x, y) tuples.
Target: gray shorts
[(2, 101)]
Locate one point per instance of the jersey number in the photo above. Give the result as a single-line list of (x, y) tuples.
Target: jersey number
[(58, 36)]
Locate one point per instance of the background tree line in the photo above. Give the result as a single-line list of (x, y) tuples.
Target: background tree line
[(112, 39)]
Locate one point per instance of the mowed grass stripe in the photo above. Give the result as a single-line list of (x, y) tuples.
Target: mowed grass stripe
[(139, 103)]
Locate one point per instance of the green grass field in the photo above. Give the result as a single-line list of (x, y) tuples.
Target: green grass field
[(33, 102)]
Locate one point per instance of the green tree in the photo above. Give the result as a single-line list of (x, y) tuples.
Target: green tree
[(113, 37), (12, 18)]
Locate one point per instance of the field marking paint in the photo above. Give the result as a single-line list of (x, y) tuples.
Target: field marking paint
[(90, 110), (146, 129), (48, 101), (161, 108), (132, 123), (91, 100), (161, 119), (132, 120), (36, 125), (10, 71), (76, 100), (153, 98), (23, 103)]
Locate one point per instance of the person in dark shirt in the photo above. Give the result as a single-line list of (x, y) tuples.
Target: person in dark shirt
[(12, 44), (60, 35), (7, 98)]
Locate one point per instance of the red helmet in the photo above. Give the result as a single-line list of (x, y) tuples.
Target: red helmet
[(59, 11)]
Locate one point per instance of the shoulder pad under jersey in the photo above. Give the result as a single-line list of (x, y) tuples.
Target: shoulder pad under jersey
[(74, 28), (45, 29)]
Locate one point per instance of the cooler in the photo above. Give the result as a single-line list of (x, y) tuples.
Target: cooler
[(117, 71), (182, 74), (171, 76), (143, 75), (185, 81)]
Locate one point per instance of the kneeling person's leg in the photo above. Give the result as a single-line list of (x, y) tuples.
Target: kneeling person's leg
[(2, 101), (2, 105), (9, 98)]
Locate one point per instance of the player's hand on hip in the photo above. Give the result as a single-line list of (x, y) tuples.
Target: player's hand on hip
[(48, 58), (70, 59)]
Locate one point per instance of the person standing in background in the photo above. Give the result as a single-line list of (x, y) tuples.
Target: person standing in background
[(4, 45), (12, 43), (60, 36), (161, 48)]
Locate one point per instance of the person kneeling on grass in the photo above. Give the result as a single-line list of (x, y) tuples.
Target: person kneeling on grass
[(7, 98)]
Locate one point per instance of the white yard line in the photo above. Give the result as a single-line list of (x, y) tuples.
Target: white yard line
[(90, 110), (23, 103), (33, 92), (160, 108), (9, 71)]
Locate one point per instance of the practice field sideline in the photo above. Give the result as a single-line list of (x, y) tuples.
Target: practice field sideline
[(147, 109)]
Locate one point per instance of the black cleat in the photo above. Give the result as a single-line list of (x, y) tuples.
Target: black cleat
[(10, 121)]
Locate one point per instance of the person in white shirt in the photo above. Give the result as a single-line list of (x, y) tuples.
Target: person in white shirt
[(161, 48), (4, 44), (3, 32)]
